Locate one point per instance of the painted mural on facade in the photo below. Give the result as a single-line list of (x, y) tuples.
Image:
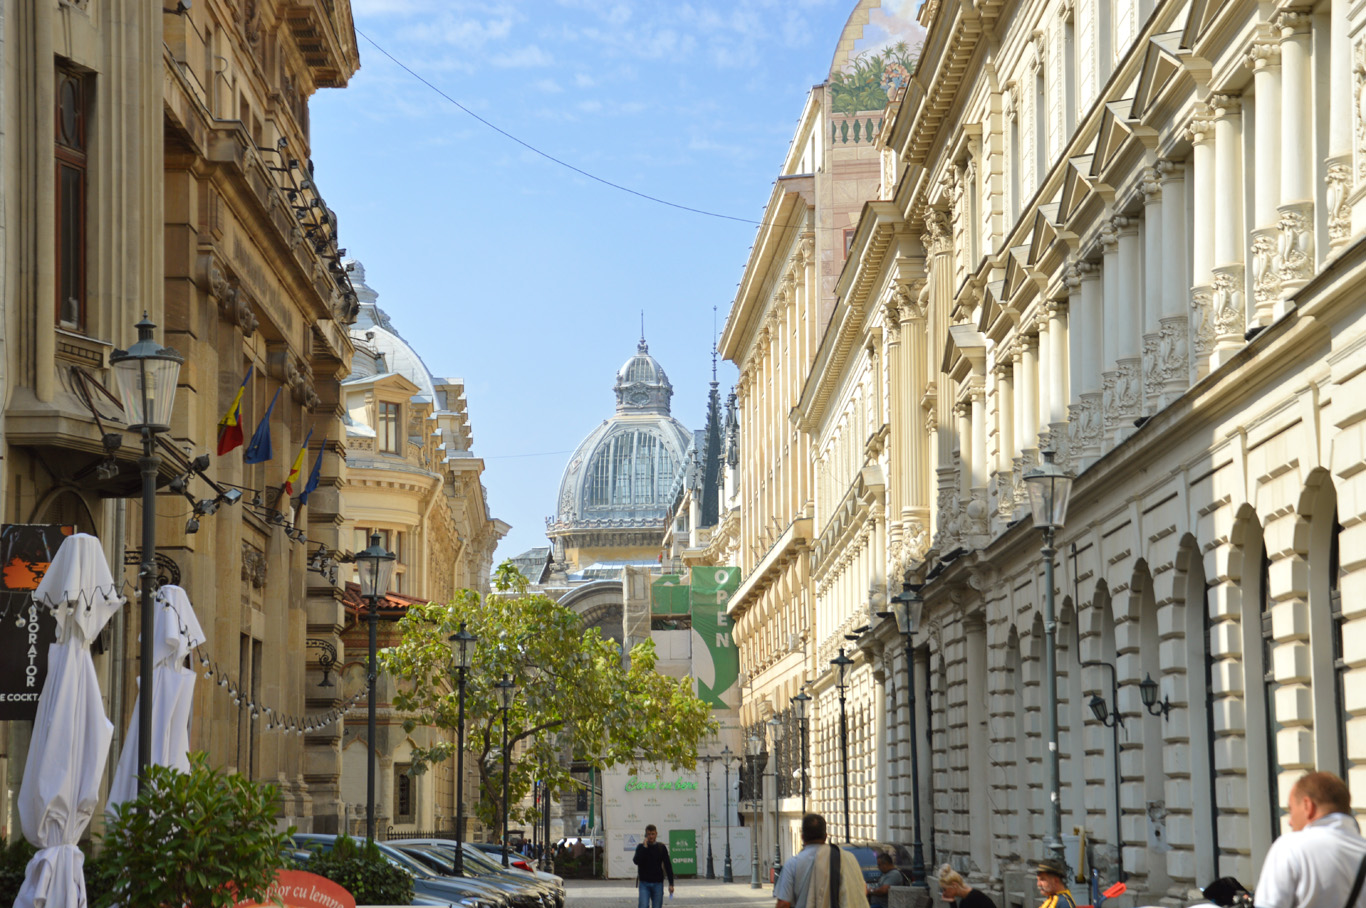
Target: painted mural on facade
[(876, 55)]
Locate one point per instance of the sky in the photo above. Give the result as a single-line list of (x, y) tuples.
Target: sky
[(529, 280)]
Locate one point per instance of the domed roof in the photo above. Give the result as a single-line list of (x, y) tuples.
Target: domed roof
[(374, 329), (642, 386), (622, 474)]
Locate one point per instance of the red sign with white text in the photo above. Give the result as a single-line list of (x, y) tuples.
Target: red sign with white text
[(301, 889)]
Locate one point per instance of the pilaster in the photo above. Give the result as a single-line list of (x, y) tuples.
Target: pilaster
[(1296, 222), (1227, 299)]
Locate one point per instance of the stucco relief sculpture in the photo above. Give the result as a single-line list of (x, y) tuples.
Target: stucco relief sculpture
[(1338, 181), (1227, 301), (1266, 267), (1202, 321), (1297, 245), (1359, 109)]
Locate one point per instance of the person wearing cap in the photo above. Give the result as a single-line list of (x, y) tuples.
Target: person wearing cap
[(1051, 875), (954, 889)]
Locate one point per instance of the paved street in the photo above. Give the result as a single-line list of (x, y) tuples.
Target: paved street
[(688, 893)]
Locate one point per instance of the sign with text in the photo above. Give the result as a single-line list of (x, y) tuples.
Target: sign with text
[(683, 851), (26, 630), (301, 889), (716, 661)]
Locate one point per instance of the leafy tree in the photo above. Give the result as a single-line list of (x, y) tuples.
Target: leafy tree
[(574, 691), (202, 838)]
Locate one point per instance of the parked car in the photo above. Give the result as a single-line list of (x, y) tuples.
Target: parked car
[(490, 862), (524, 890), (495, 848), (466, 893)]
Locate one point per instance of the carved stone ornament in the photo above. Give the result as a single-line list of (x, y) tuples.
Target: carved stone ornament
[(1152, 380), (253, 565), (1359, 108), (1005, 496), (1339, 180), (1266, 267), (1202, 321), (1128, 390), (912, 299), (1172, 362), (1262, 54), (1108, 403), (1230, 318), (938, 236), (1297, 245), (1151, 185)]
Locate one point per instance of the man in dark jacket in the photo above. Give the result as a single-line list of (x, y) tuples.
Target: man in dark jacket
[(652, 861)]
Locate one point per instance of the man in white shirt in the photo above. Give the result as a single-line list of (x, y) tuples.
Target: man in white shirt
[(1320, 864), (805, 879)]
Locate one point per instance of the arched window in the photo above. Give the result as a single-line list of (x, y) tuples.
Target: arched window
[(1273, 766), (1339, 652)]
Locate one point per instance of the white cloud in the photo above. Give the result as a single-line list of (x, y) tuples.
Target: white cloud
[(547, 86), (522, 57)]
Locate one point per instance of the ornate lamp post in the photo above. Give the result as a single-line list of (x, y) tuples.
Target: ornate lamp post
[(726, 755), (376, 566), (754, 746), (1049, 488), (841, 664), (506, 690), (147, 373), (800, 703), (775, 732), (462, 654), (706, 763), (907, 607)]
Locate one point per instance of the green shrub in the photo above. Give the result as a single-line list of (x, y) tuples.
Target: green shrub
[(14, 858), (202, 838), (358, 867)]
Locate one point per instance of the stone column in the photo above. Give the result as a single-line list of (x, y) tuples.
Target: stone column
[(1173, 359), (1340, 110), (1265, 61), (1227, 300), (1044, 441), (1297, 165), (1154, 203), (1005, 435), (1029, 391), (1056, 312), (1091, 340), (977, 522), (1201, 134), (898, 437), (1129, 381), (915, 508), (1111, 319)]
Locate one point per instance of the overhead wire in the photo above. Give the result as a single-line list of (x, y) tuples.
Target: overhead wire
[(563, 163)]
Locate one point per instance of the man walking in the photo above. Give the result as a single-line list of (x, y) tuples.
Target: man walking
[(1323, 862), (652, 863), (810, 877)]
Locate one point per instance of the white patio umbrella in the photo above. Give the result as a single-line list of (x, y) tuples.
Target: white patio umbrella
[(71, 733), (177, 634)]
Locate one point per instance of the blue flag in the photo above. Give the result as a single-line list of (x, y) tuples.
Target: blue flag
[(313, 477), (259, 449)]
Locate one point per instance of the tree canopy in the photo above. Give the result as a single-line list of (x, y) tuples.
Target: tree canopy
[(575, 694)]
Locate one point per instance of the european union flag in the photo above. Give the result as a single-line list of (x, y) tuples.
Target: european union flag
[(259, 449), (314, 476)]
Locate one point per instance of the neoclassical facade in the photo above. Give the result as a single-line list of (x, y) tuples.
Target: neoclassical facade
[(413, 478), (1130, 233), (155, 161)]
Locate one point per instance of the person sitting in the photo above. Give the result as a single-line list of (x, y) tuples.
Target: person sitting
[(955, 890), (888, 876), (1051, 877)]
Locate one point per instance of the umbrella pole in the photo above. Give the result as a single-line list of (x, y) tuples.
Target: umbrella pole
[(150, 464)]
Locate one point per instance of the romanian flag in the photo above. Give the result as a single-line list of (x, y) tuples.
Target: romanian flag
[(230, 426), (314, 476), (259, 450), (298, 467)]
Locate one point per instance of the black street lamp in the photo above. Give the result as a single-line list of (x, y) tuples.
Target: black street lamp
[(907, 607), (462, 655), (376, 566), (841, 664), (754, 746), (506, 689), (1113, 721), (775, 730), (726, 875), (1050, 486), (147, 374), (800, 703), (706, 763)]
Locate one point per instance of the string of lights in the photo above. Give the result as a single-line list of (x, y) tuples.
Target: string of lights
[(275, 721)]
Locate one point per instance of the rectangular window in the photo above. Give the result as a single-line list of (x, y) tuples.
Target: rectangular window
[(71, 148), (387, 430), (403, 793)]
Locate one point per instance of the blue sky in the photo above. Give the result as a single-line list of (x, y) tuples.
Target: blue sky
[(522, 277)]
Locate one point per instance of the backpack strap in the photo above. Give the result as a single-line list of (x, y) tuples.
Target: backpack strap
[(836, 858), (1356, 886)]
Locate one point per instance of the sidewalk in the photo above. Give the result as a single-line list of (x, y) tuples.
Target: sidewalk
[(688, 892)]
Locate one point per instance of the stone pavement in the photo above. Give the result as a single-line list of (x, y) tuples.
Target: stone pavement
[(689, 893)]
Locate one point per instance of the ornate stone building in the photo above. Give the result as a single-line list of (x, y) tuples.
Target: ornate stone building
[(412, 477), (155, 159), (1130, 233)]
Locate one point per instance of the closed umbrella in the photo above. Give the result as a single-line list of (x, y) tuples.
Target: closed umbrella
[(177, 634), (71, 733)]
